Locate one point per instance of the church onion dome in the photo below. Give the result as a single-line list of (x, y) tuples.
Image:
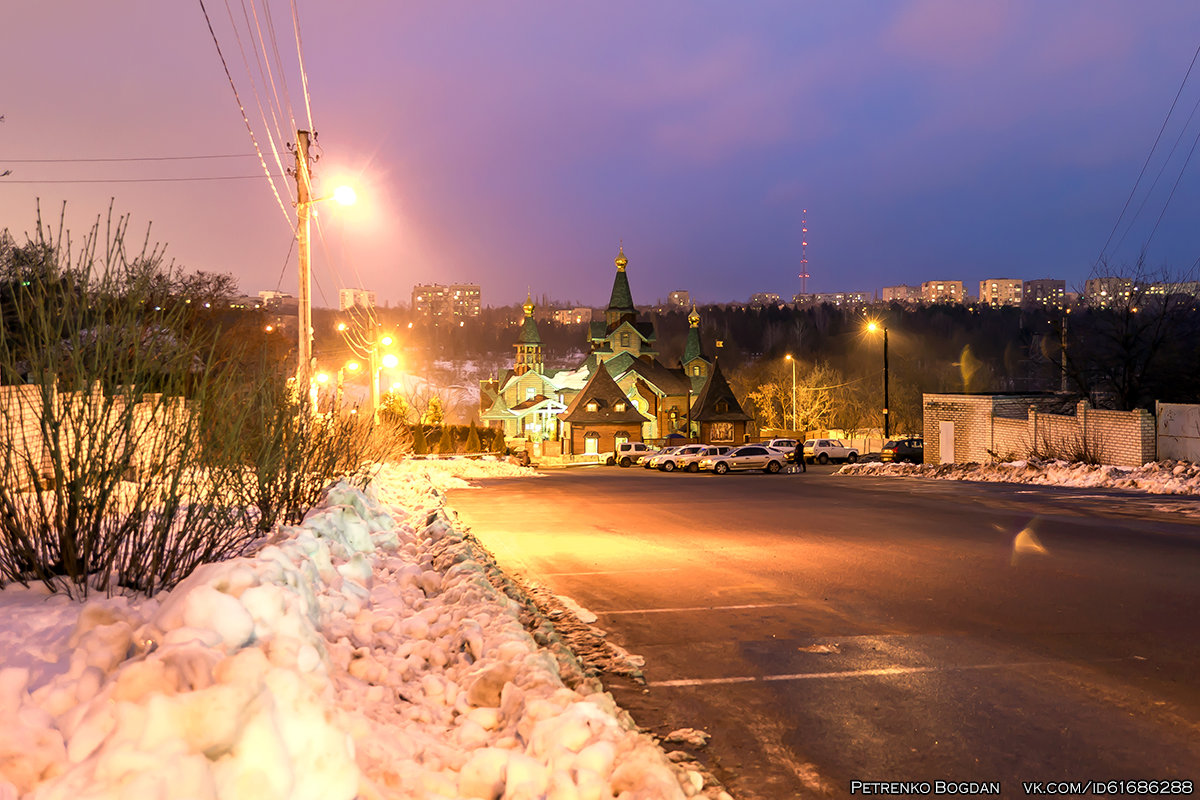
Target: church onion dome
[(528, 305), (621, 261), (693, 318)]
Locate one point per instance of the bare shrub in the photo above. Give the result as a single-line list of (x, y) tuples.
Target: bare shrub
[(104, 482)]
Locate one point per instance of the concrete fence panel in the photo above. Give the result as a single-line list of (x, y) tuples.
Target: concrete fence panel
[(1178, 431)]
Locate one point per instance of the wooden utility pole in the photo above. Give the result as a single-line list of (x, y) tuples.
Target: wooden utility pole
[(303, 208)]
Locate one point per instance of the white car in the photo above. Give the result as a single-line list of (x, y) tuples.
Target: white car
[(822, 451), (627, 453), (748, 456), (682, 457), (692, 463), (652, 460), (785, 446)]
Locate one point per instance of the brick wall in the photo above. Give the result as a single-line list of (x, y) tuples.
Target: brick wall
[(988, 428), (89, 420)]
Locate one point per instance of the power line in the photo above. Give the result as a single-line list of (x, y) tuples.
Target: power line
[(1149, 156), (119, 159), (148, 180), (245, 119)]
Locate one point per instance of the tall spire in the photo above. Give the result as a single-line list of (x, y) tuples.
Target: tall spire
[(529, 343), (620, 304)]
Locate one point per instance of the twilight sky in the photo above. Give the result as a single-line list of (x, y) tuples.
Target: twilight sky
[(514, 144)]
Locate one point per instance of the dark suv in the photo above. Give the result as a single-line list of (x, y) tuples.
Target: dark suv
[(911, 450)]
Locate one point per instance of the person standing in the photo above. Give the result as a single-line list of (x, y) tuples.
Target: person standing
[(798, 454)]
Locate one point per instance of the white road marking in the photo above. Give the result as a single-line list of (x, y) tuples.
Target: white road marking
[(857, 673), (698, 608)]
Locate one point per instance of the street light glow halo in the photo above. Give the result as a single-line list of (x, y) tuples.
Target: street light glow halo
[(345, 195)]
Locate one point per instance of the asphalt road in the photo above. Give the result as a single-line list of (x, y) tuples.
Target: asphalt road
[(828, 629)]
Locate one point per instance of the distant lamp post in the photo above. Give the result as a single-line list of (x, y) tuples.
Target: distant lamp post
[(873, 327), (789, 358)]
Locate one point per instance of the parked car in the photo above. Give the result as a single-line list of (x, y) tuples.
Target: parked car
[(691, 461), (748, 456), (822, 451), (681, 457), (629, 452), (653, 459), (911, 450), (785, 446)]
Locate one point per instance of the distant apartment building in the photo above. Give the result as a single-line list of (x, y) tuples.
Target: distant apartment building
[(1174, 289), (279, 303), (763, 300), (444, 304), (943, 292), (679, 299), (838, 299), (1044, 292), (573, 316), (348, 298), (1001, 292), (1105, 292), (246, 302), (901, 294)]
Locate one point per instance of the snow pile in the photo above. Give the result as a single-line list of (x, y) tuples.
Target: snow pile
[(456, 473), (1162, 477), (364, 653)]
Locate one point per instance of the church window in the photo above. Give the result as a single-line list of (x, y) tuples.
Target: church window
[(529, 392), (591, 443), (722, 407), (593, 405), (695, 369), (619, 407), (624, 338)]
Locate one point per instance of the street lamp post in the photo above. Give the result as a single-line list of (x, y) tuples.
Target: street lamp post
[(304, 203), (789, 358), (887, 429)]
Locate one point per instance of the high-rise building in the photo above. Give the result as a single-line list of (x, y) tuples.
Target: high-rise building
[(764, 299), (348, 298), (445, 304), (901, 294), (1001, 292), (1045, 292), (573, 316), (1105, 292), (943, 292)]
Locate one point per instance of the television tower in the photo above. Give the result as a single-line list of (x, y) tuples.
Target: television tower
[(804, 276)]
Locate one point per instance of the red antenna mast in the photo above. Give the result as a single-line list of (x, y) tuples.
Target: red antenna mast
[(804, 276)]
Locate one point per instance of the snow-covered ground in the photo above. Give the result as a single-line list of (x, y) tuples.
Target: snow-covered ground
[(373, 652), (1162, 477)]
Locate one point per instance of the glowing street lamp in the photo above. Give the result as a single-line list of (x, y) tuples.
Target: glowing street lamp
[(873, 326)]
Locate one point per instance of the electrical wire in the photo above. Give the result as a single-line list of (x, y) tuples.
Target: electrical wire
[(114, 160), (278, 138), (147, 180), (1158, 176), (245, 119), (303, 69), (1149, 156)]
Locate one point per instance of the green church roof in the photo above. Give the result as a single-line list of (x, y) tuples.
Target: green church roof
[(529, 332)]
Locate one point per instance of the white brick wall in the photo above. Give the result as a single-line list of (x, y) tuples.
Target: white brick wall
[(992, 427)]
